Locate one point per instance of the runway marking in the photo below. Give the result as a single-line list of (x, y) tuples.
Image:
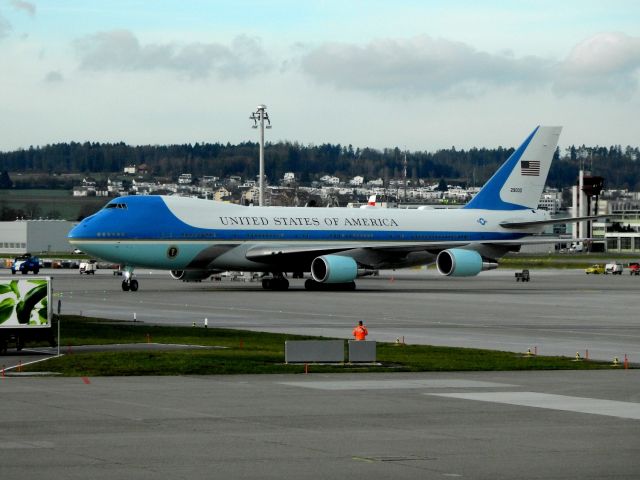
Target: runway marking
[(19, 445), (594, 406), (395, 384)]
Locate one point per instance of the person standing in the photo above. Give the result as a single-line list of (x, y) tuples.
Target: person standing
[(360, 332)]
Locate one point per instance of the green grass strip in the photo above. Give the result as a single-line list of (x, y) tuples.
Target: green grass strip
[(249, 352)]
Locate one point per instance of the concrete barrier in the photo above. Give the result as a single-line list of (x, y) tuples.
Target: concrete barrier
[(302, 351), (362, 351)]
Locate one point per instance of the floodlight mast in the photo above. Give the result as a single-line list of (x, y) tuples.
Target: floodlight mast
[(258, 117)]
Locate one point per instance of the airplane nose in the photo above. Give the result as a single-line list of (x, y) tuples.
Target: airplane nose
[(80, 230), (75, 232)]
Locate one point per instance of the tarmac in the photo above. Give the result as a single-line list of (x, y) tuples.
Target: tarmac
[(484, 425), (480, 425), (559, 312)]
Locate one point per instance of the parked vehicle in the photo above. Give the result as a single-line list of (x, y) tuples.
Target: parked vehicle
[(595, 269), (614, 268), (25, 263), (576, 247), (25, 313), (88, 267), (634, 268), (523, 275)]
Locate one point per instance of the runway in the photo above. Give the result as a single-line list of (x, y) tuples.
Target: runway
[(483, 425), (560, 312)]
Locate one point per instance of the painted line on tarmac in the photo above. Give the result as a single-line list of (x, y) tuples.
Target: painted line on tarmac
[(395, 384), (593, 406)]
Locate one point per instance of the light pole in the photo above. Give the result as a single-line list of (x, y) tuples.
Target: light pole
[(260, 115)]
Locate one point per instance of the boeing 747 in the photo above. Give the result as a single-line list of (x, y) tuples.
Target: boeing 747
[(194, 238)]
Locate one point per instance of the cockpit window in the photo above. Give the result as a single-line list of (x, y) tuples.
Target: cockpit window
[(116, 205)]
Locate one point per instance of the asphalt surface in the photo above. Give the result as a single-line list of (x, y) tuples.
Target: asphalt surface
[(482, 425), (559, 312), (489, 425)]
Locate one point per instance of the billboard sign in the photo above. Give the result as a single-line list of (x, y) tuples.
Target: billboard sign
[(25, 302)]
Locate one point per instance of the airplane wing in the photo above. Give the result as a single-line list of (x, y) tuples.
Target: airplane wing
[(553, 221), (276, 253)]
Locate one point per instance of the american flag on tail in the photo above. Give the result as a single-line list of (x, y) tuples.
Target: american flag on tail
[(530, 168)]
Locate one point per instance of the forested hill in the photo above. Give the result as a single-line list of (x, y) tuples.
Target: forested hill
[(619, 166)]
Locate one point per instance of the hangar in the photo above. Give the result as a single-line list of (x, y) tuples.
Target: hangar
[(22, 236)]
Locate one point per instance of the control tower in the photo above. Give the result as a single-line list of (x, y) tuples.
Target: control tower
[(589, 187)]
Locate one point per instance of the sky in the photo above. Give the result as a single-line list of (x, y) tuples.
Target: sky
[(419, 75)]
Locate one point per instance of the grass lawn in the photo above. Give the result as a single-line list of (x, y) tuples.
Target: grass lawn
[(51, 203), (256, 352)]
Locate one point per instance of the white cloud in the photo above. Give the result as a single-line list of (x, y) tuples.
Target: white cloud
[(607, 62), (27, 7), (421, 65), (120, 50)]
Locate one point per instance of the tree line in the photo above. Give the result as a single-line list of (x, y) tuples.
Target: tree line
[(467, 167)]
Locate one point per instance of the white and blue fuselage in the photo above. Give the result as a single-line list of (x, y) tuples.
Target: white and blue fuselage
[(140, 230)]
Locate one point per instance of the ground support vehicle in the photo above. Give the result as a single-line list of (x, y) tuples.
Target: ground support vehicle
[(595, 269), (613, 268), (634, 268), (88, 267), (523, 276), (25, 263)]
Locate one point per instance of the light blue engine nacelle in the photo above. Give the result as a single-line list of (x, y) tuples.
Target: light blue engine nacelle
[(457, 262), (334, 269)]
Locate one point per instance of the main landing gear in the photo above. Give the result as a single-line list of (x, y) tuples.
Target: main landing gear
[(129, 283), (277, 282)]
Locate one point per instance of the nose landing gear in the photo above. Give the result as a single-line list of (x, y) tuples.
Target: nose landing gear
[(129, 283)]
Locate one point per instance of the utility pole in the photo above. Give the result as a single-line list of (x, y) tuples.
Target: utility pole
[(404, 171), (258, 117)]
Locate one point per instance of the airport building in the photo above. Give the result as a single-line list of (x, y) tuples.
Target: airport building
[(37, 236)]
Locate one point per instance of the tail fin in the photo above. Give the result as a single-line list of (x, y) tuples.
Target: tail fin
[(518, 183)]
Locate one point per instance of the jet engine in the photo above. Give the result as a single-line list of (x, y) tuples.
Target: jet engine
[(334, 269), (191, 275), (457, 262)]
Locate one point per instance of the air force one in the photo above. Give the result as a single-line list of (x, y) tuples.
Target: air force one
[(196, 238)]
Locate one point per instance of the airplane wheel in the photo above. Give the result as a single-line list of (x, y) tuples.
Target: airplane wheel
[(125, 286), (266, 283), (134, 285), (310, 284), (282, 284)]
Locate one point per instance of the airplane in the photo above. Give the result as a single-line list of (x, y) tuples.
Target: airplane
[(195, 238)]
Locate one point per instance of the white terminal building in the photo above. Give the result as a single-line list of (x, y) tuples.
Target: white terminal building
[(22, 236)]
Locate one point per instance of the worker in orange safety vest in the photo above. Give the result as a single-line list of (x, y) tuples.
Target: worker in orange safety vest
[(360, 332)]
